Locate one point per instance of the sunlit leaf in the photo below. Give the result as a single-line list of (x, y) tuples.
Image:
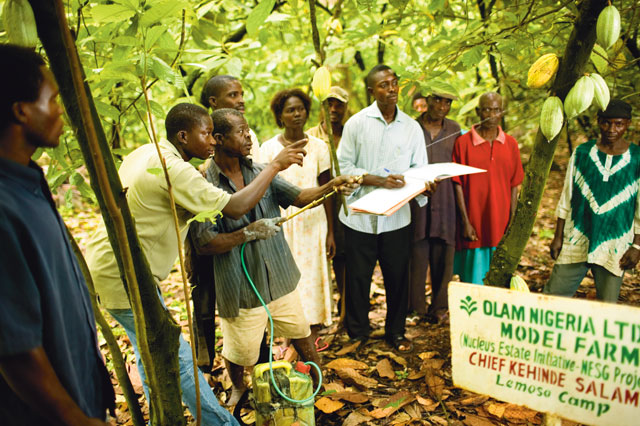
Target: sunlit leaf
[(160, 10), (104, 13), (258, 15)]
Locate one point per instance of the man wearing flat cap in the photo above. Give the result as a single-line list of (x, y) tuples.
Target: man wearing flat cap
[(598, 225), (434, 225)]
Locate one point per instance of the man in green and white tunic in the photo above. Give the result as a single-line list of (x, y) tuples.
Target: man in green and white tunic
[(598, 225)]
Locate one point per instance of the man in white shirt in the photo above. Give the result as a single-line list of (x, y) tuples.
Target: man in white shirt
[(382, 142)]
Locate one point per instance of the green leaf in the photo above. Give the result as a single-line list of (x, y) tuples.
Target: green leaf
[(436, 5), (162, 70), (104, 13), (436, 85), (160, 10), (472, 57), (395, 404), (208, 216), (57, 179), (258, 15), (157, 171), (469, 106), (153, 35), (234, 66), (399, 4), (365, 5), (157, 109), (104, 109), (37, 154), (122, 151), (81, 185)]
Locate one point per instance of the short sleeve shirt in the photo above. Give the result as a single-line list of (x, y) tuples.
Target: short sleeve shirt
[(487, 195), (44, 300), (148, 200), (269, 262)]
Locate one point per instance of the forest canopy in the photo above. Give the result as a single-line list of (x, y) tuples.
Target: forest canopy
[(468, 48)]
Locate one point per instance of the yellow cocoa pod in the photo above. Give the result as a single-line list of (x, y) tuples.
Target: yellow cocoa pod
[(321, 83), (542, 70), (551, 117), (601, 94), (519, 284), (608, 27), (19, 23), (579, 97)]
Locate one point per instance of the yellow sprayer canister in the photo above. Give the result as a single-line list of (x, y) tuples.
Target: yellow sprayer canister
[(271, 408)]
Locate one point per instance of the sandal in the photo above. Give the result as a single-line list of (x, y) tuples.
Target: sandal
[(400, 344), (323, 347)]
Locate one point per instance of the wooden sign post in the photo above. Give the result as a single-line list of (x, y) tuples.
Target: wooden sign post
[(574, 358)]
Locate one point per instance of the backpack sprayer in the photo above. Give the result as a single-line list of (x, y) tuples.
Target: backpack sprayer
[(298, 405), (280, 409)]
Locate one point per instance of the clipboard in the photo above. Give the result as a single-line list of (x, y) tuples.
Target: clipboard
[(385, 202)]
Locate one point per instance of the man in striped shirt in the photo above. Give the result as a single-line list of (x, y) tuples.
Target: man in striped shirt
[(267, 257)]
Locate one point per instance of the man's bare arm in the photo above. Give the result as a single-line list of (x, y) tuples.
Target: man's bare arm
[(514, 201), (347, 184), (468, 231), (31, 376), (261, 229), (389, 182), (631, 257), (556, 243)]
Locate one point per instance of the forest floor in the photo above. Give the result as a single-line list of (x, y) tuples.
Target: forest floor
[(374, 385)]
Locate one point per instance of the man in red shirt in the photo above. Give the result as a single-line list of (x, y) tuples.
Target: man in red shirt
[(486, 201)]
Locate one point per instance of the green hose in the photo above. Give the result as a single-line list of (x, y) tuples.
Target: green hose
[(273, 381)]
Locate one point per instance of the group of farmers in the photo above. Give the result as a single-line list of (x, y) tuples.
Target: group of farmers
[(52, 371)]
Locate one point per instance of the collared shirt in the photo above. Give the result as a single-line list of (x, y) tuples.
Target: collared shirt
[(370, 144), (487, 195), (438, 218), (44, 300), (269, 262), (148, 201), (600, 202)]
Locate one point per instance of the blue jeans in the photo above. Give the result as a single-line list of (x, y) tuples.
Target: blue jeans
[(212, 413)]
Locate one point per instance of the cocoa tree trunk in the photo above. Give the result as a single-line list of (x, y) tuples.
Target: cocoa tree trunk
[(574, 60), (156, 330)]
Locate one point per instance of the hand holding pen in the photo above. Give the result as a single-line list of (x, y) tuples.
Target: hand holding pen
[(390, 181)]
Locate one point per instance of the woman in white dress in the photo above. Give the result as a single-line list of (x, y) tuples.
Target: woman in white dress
[(310, 234)]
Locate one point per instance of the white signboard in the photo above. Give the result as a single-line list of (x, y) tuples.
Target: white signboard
[(575, 358)]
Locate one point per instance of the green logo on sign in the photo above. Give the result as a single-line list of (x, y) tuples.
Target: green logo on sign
[(468, 305)]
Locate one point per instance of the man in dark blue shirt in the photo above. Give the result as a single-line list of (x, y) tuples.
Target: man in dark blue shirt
[(51, 370)]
